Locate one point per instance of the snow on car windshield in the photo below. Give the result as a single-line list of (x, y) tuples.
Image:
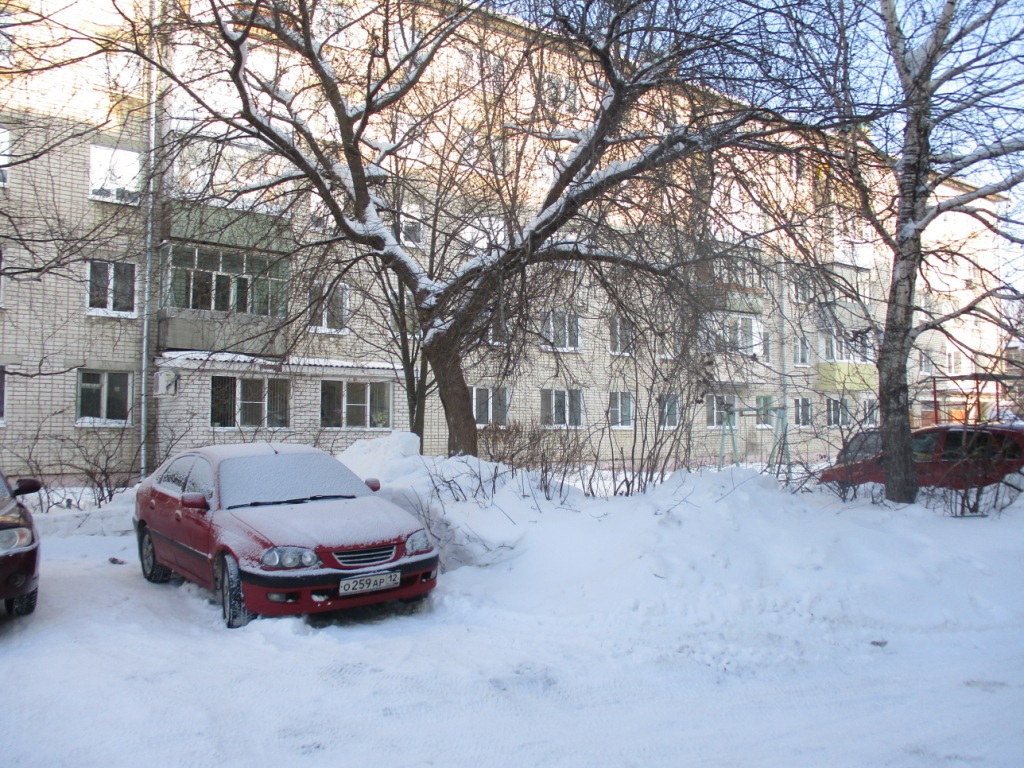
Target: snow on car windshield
[(280, 477)]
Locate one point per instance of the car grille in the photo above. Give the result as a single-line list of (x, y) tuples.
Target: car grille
[(355, 558)]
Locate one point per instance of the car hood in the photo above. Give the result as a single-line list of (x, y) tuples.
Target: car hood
[(331, 523)]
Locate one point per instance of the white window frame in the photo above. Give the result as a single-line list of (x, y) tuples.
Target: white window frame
[(802, 413), (926, 363), (243, 400), (621, 335), (561, 408), (103, 388), (668, 410), (114, 175), (742, 334), (802, 351), (490, 406), (323, 297), (112, 283), (669, 345), (765, 416), (563, 331), (373, 406), (869, 408), (412, 226), (621, 410), (837, 411), (6, 39), (720, 410)]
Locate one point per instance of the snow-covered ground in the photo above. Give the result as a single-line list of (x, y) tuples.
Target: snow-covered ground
[(717, 621)]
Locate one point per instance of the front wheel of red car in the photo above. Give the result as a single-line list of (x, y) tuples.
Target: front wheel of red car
[(229, 589), (22, 605), (151, 569)]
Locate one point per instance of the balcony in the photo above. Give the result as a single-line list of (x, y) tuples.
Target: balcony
[(221, 332)]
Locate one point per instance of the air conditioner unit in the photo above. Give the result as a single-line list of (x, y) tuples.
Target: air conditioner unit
[(166, 383)]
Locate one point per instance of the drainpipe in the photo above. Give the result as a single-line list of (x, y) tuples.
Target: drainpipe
[(149, 218)]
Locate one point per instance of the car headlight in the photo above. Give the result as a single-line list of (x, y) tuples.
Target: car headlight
[(15, 538), (418, 542), (289, 557)]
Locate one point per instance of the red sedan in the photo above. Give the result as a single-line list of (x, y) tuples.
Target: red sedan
[(950, 456), (19, 549), (278, 529)]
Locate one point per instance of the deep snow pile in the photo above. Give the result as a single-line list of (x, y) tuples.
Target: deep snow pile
[(717, 620)]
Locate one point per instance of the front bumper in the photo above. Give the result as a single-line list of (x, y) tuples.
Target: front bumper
[(282, 593), (19, 572)]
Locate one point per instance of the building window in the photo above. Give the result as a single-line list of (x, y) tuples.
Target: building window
[(412, 226), (802, 351), (766, 347), (621, 335), (562, 330), (669, 345), (112, 286), (620, 409), (561, 407), (5, 139), (355, 404), (252, 403), (802, 411), (720, 410), (842, 347), (328, 307), (227, 281), (668, 411), (838, 412), (490, 406), (104, 398), (114, 175), (927, 366), (870, 409), (742, 334), (765, 411)]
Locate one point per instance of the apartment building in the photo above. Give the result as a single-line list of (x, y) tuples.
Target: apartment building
[(162, 289)]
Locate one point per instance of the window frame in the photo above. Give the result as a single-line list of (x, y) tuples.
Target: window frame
[(104, 169), (370, 405), (569, 325), (720, 410), (112, 283), (243, 402), (621, 410), (765, 416), (621, 336), (495, 401), (803, 413), (572, 405), (322, 297), (106, 390), (802, 352), (668, 410), (261, 281), (5, 147), (837, 412)]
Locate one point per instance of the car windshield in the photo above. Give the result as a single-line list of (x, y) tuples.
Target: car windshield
[(286, 477)]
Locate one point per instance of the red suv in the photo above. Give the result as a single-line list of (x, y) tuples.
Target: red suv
[(19, 549), (950, 456)]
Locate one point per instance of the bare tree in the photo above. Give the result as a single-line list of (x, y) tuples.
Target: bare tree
[(941, 84)]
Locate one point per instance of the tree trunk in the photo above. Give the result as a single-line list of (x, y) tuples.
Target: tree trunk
[(442, 351), (893, 389)]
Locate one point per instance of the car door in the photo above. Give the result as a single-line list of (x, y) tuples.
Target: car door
[(163, 511), (195, 525)]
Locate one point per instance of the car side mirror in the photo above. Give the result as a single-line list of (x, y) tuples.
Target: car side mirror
[(373, 484), (193, 500), (26, 485)]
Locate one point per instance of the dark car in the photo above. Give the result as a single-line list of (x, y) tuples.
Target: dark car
[(278, 529), (950, 456), (19, 549)]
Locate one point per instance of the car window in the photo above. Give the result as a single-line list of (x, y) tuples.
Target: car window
[(173, 478), (278, 477), (923, 445), (200, 479), (1010, 448), (953, 447)]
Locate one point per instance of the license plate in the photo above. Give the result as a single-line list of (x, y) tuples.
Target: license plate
[(369, 583)]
